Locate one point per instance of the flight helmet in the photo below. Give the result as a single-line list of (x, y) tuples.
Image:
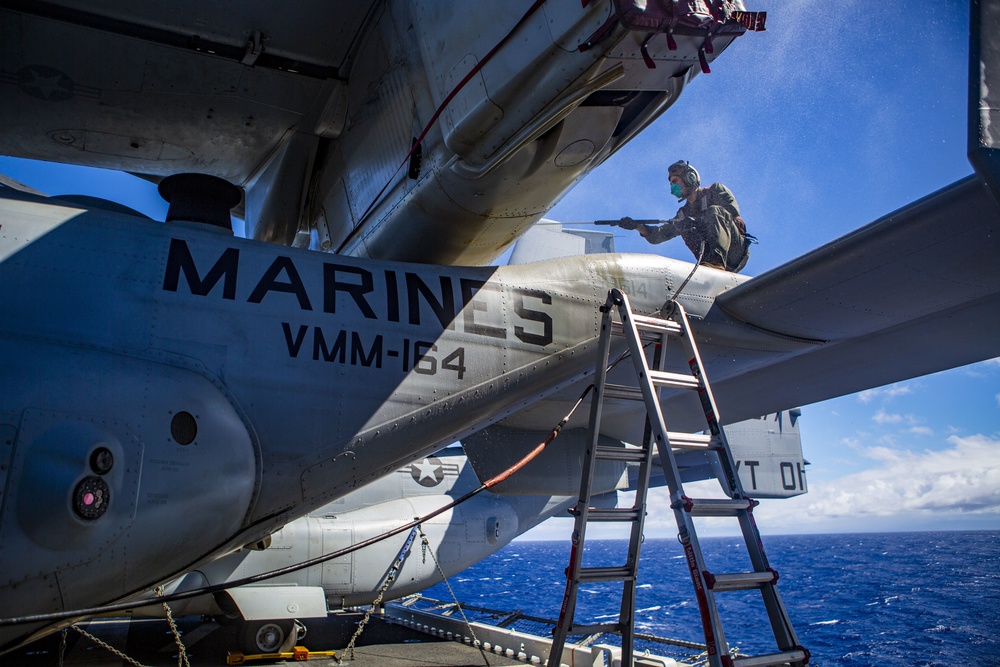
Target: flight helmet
[(688, 174)]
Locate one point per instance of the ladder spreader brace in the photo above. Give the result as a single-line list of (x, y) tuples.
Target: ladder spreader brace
[(640, 330)]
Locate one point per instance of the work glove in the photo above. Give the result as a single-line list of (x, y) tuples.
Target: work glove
[(628, 223)]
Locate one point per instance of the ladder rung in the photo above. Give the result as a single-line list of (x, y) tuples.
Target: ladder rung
[(740, 581), (644, 335), (659, 324), (675, 380), (614, 573), (597, 629), (659, 378), (631, 454), (692, 440), (622, 391), (795, 655), (630, 514), (714, 506)]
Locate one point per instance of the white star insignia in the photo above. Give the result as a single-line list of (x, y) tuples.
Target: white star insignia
[(427, 469)]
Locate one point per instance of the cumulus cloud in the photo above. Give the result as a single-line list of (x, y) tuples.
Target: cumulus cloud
[(957, 487), (963, 479), (884, 393), (883, 417)]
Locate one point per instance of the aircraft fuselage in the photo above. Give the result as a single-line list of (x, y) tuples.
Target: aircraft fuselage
[(173, 392)]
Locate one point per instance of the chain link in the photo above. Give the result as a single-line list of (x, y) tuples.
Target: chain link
[(182, 656), (475, 641), (390, 577), (107, 647), (349, 650)]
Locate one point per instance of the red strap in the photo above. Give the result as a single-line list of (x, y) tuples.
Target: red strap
[(646, 58), (704, 61), (671, 44)]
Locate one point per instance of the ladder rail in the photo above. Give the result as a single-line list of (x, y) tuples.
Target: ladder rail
[(567, 610), (781, 625), (714, 634), (707, 398)]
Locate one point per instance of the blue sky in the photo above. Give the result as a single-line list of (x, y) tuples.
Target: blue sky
[(840, 113), (835, 116)]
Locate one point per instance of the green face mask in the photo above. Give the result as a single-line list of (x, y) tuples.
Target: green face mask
[(676, 191)]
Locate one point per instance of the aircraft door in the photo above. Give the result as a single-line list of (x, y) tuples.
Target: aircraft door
[(339, 572)]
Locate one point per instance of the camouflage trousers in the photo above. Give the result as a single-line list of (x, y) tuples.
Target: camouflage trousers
[(725, 244)]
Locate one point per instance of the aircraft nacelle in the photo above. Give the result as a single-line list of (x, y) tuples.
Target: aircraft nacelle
[(517, 129), (313, 109)]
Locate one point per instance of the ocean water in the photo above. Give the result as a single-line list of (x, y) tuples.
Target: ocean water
[(856, 600)]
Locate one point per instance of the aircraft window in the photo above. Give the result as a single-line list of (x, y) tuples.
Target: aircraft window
[(183, 428)]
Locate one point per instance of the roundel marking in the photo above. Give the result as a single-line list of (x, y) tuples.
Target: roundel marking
[(428, 472), (45, 83)]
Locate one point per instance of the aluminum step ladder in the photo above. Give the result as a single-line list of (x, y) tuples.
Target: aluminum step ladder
[(640, 331)]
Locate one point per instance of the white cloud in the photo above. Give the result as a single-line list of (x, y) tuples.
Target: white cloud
[(998, 400), (922, 430), (885, 393), (888, 439), (883, 417), (955, 488), (984, 369), (853, 443), (905, 487)]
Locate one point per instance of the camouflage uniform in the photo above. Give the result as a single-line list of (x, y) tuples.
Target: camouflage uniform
[(714, 218)]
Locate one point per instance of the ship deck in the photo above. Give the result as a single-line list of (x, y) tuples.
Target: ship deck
[(414, 631)]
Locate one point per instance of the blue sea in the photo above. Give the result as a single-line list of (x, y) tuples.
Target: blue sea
[(856, 600)]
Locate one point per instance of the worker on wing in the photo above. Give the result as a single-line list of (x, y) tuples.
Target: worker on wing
[(709, 222)]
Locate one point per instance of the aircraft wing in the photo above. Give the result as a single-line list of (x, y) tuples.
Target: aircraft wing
[(161, 89), (914, 292), (495, 109)]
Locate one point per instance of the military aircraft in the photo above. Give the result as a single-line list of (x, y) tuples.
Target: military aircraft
[(161, 371), (768, 452)]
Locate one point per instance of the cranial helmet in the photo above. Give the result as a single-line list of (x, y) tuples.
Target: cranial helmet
[(688, 174)]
